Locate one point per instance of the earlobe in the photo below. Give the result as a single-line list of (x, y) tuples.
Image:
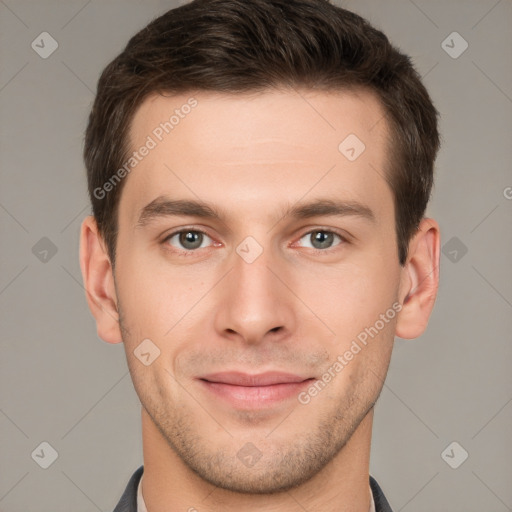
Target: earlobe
[(98, 280), (419, 281)]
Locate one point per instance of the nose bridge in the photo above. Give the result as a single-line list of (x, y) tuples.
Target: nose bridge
[(254, 300)]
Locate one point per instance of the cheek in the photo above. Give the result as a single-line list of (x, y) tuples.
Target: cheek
[(163, 303), (350, 297), (147, 289)]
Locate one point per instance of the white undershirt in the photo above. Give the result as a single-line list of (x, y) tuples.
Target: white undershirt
[(141, 506)]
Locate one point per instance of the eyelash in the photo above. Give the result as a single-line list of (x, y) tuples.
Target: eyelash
[(190, 252)]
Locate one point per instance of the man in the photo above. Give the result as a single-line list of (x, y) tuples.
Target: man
[(259, 172)]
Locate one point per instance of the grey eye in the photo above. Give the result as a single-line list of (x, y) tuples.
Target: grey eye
[(188, 239), (321, 238)]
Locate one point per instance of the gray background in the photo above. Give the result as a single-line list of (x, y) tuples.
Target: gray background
[(61, 384)]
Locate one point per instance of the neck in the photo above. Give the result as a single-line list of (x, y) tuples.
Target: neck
[(341, 486)]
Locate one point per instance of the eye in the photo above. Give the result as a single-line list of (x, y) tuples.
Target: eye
[(322, 239), (187, 239)]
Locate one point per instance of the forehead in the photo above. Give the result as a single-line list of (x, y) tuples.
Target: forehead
[(250, 150)]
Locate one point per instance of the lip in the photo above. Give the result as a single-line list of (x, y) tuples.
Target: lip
[(246, 379), (254, 391)]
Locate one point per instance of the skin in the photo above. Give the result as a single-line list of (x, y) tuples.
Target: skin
[(292, 309)]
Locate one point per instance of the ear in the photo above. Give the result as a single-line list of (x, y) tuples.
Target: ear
[(419, 281), (98, 279)]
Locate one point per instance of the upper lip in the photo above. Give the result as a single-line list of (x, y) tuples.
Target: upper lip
[(246, 379)]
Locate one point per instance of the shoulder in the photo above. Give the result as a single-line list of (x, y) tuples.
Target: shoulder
[(128, 501), (381, 503)]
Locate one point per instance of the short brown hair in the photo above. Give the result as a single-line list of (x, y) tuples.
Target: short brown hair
[(237, 46)]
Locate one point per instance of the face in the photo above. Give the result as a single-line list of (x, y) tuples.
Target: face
[(252, 245)]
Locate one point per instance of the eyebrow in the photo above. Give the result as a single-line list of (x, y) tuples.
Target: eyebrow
[(165, 207)]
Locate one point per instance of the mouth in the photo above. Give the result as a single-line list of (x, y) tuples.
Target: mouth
[(246, 391)]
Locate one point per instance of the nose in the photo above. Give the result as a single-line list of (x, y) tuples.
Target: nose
[(254, 301)]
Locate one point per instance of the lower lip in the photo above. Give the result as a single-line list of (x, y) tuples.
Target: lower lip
[(255, 397)]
